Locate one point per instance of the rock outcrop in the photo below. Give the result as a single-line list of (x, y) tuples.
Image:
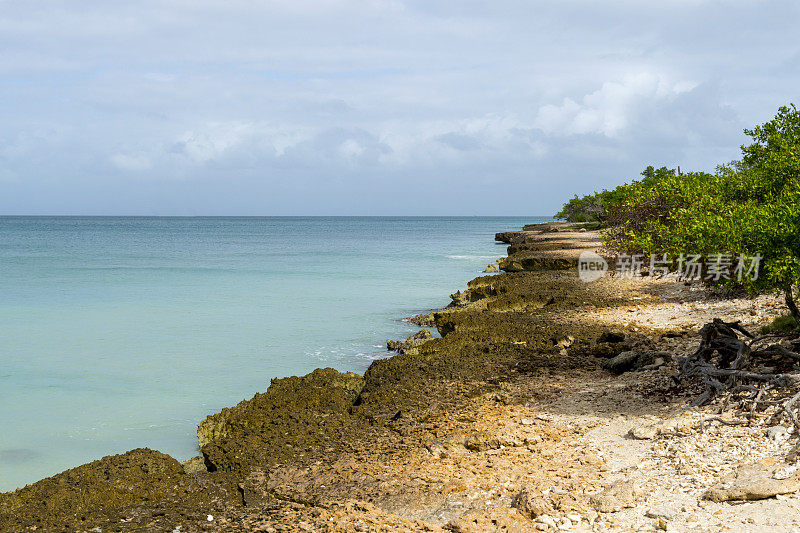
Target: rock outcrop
[(411, 344), (111, 490), (295, 413), (616, 497), (756, 482)]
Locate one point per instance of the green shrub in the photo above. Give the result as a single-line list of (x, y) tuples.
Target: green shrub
[(598, 207), (782, 324), (588, 208), (745, 208)]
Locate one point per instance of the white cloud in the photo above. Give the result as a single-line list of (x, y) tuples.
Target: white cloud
[(213, 140), (543, 100), (611, 109), (606, 123), (351, 149)]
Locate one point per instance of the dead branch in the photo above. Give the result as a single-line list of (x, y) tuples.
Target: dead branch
[(722, 421), (724, 364), (787, 408)]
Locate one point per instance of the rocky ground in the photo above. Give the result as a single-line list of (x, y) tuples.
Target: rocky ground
[(509, 422)]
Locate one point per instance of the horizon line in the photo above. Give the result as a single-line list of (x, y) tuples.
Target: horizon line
[(271, 216)]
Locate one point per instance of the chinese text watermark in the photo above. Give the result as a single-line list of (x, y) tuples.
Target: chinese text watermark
[(712, 268)]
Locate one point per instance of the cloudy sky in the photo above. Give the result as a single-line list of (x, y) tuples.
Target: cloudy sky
[(369, 107)]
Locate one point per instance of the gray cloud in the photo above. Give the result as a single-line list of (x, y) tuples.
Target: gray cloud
[(373, 106)]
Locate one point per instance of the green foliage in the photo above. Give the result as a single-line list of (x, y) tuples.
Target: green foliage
[(588, 226), (588, 208), (747, 207), (782, 324), (598, 206), (655, 211)]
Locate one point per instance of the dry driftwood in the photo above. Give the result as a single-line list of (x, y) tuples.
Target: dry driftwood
[(727, 363)]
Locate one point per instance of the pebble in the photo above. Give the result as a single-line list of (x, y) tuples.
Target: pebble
[(526, 422), (660, 512), (776, 433), (785, 472), (616, 497), (643, 432), (546, 520), (210, 518)]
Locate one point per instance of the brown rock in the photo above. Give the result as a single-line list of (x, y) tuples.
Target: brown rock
[(608, 349), (411, 343), (294, 412), (529, 504), (195, 465), (108, 484), (611, 336), (755, 482), (616, 497), (643, 432), (480, 442)]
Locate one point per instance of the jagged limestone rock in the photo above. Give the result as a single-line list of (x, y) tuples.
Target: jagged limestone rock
[(616, 497), (411, 344), (423, 320), (293, 412), (480, 442), (756, 482), (195, 465), (531, 504), (611, 336), (95, 491)]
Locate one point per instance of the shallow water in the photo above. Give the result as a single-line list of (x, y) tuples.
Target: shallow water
[(126, 332)]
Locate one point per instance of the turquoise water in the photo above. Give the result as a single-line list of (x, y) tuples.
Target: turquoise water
[(125, 332)]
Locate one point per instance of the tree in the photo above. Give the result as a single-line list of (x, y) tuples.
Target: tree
[(770, 169), (748, 207), (588, 208), (597, 207)]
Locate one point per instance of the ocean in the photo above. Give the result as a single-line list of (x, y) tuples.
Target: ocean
[(125, 332)]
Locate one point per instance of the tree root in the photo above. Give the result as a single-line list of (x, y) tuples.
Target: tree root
[(727, 363)]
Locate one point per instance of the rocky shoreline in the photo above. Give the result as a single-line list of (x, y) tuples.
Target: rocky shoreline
[(511, 421)]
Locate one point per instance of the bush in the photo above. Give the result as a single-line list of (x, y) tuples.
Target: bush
[(745, 208), (782, 324), (643, 220), (599, 206), (588, 208)]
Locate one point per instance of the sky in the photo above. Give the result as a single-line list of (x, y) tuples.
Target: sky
[(374, 107)]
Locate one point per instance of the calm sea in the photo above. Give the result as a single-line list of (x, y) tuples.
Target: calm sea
[(125, 332)]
